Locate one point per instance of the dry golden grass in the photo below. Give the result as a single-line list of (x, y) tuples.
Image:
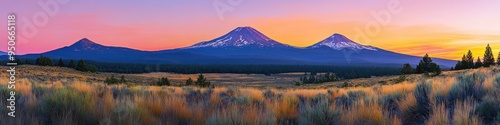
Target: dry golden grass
[(142, 104), (440, 116), (365, 113), (286, 109), (463, 114)]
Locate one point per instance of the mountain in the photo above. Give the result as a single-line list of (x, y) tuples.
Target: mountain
[(240, 37), (3, 53), (243, 45), (339, 42), (338, 49)]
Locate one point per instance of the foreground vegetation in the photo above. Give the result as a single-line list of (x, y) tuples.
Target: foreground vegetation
[(455, 97)]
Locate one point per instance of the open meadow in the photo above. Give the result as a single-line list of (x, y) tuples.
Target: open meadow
[(54, 95)]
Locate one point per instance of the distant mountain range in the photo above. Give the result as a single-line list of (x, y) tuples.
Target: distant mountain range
[(243, 45)]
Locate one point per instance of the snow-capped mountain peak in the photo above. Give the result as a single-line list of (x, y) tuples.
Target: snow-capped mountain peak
[(86, 44), (240, 37), (339, 42)]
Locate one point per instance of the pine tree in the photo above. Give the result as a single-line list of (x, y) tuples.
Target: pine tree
[(189, 81), (202, 81), (91, 68), (464, 64), (81, 66), (163, 82), (122, 79), (43, 61), (498, 59), (428, 67), (407, 69), (478, 63), (458, 66), (71, 64), (27, 61), (488, 58), (470, 60), (61, 63)]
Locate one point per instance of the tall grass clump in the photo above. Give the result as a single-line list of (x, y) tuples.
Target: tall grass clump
[(390, 103), (440, 115), (487, 111), (365, 114), (320, 113), (233, 116), (468, 86), (496, 82), (286, 111), (65, 106), (463, 113), (419, 112)]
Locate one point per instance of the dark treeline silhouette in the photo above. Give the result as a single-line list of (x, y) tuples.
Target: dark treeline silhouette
[(81, 65), (467, 61), (345, 72), (318, 78), (425, 66), (342, 72)]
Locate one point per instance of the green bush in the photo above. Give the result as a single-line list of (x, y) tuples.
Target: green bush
[(202, 81), (163, 82), (487, 110), (389, 103), (319, 113), (468, 86), (65, 103), (422, 110), (496, 82)]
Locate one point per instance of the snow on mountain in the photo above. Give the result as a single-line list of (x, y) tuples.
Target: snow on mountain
[(240, 37), (339, 42)]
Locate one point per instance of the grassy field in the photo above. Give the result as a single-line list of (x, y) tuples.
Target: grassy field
[(53, 95)]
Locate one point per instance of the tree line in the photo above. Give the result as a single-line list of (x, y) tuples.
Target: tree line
[(425, 66), (343, 72), (81, 65), (467, 61), (201, 81), (313, 77)]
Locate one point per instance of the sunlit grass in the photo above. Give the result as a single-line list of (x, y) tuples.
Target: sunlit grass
[(81, 101)]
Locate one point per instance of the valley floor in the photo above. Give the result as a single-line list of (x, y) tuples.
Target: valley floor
[(53, 95)]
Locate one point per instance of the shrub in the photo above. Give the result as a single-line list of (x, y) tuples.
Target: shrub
[(189, 81), (467, 86), (286, 111), (496, 82), (487, 110), (163, 82), (233, 116), (202, 81), (389, 103), (319, 114), (440, 116), (356, 94), (418, 113), (64, 103), (268, 94), (498, 115), (111, 80), (365, 114), (463, 113)]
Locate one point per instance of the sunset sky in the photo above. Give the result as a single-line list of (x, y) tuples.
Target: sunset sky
[(444, 29)]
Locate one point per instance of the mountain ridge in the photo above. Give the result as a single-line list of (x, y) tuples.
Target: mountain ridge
[(251, 47), (240, 37)]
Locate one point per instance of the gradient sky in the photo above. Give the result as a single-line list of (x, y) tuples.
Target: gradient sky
[(445, 28)]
